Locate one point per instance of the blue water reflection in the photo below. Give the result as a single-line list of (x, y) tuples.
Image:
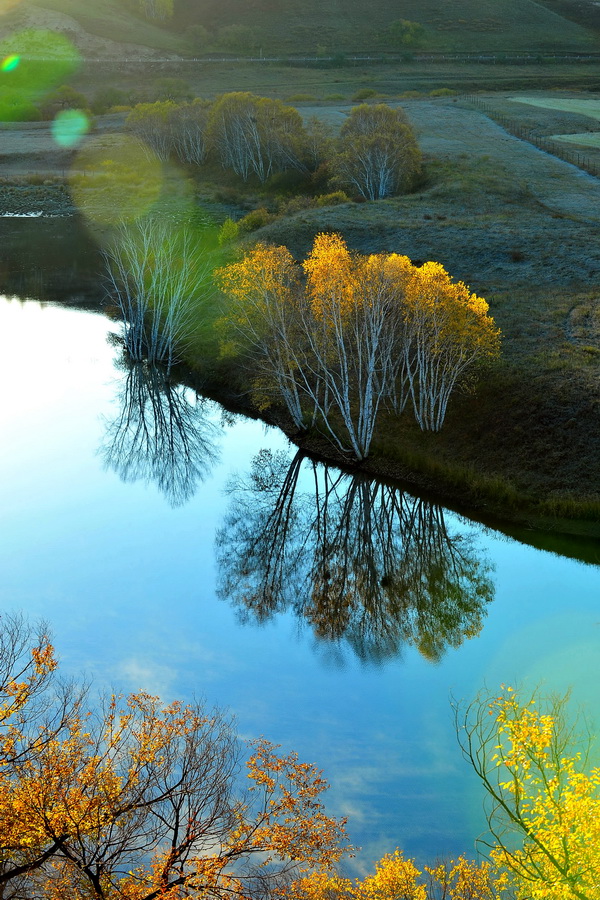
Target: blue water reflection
[(128, 581)]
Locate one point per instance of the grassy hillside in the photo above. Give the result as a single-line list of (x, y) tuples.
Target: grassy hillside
[(353, 24), (305, 26)]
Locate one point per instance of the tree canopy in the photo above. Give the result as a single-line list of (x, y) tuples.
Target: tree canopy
[(135, 799)]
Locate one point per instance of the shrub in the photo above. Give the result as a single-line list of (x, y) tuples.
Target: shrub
[(107, 98), (364, 94), (442, 92), (228, 232), (254, 220), (333, 199), (296, 204)]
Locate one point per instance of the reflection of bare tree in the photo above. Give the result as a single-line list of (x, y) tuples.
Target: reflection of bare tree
[(159, 434), (359, 560)]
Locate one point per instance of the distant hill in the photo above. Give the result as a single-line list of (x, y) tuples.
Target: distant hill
[(355, 24), (339, 26)]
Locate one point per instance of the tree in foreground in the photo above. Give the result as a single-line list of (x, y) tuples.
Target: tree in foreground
[(346, 333), (138, 800), (544, 797)]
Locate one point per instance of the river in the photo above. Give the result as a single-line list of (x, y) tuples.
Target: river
[(146, 556), (175, 548)]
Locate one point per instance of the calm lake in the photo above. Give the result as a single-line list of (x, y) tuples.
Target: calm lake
[(174, 548)]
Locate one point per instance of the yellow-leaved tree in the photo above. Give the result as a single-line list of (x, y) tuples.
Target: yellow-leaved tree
[(398, 878), (347, 333), (544, 796), (449, 331), (136, 799)]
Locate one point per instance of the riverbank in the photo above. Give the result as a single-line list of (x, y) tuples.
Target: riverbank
[(513, 223), (424, 464)]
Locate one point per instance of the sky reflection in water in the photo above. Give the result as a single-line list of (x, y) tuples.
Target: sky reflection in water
[(125, 572)]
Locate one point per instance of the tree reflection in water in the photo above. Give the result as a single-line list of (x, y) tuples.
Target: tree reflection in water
[(361, 561), (160, 434)]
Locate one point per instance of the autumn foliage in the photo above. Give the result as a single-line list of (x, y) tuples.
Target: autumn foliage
[(544, 797), (398, 878), (137, 799), (344, 334)]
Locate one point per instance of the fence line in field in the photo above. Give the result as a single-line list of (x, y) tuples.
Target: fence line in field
[(541, 141)]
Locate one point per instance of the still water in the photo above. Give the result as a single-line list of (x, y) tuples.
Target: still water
[(179, 550)]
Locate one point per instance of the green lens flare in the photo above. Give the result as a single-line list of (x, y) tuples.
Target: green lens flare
[(69, 127), (10, 62), (115, 178), (38, 61)]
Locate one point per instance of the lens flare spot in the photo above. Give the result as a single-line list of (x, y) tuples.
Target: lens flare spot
[(114, 179), (69, 127), (10, 62), (38, 62)]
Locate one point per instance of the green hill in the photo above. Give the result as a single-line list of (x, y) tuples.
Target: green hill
[(305, 26)]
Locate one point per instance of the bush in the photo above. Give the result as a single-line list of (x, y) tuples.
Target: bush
[(333, 199), (442, 92), (238, 38), (198, 37), (175, 89), (228, 232), (107, 98), (64, 97), (296, 204), (364, 94), (254, 220)]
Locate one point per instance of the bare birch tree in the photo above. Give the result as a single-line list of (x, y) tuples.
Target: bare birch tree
[(152, 124), (188, 123), (255, 135), (378, 153), (160, 279)]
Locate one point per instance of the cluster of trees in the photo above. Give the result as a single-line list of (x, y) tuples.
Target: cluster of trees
[(167, 128), (398, 878), (137, 800), (362, 563), (376, 154), (345, 334)]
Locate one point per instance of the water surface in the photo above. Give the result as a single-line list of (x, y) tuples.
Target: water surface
[(131, 516)]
